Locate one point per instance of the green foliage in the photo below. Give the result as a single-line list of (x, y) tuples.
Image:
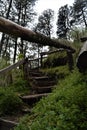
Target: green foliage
[(20, 56), (5, 79), (80, 12), (10, 103), (64, 109), (57, 59), (3, 63), (45, 22), (62, 21), (57, 72), (20, 86)]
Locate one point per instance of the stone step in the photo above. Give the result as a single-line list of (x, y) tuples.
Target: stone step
[(34, 70), (35, 74), (31, 99), (43, 83), (42, 78), (7, 124), (45, 89)]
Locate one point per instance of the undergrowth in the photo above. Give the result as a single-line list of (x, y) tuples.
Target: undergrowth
[(20, 86), (64, 109), (56, 59), (57, 72), (10, 103)]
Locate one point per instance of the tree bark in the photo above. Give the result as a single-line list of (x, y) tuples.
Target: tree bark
[(7, 16), (8, 27), (15, 51), (84, 18), (8, 11)]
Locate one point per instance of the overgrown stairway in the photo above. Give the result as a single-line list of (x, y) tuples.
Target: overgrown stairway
[(41, 85)]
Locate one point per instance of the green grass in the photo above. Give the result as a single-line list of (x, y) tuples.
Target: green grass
[(57, 72), (56, 59), (64, 109), (20, 86)]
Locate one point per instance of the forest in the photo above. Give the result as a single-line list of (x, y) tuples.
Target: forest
[(43, 77)]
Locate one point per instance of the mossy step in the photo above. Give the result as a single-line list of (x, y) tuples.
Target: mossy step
[(41, 78), (35, 74), (31, 99), (45, 89), (7, 124), (44, 83)]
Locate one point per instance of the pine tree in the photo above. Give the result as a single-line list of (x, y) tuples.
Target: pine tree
[(80, 12), (62, 22), (5, 38), (44, 25), (21, 12), (45, 22), (25, 15)]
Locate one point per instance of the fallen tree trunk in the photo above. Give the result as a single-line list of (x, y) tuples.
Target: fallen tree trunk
[(9, 27), (82, 58)]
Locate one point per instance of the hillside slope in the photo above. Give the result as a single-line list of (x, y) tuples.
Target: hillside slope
[(64, 109)]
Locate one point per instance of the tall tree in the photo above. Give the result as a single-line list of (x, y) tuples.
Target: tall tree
[(62, 22), (45, 25), (21, 12), (25, 14), (4, 37), (45, 22), (80, 12)]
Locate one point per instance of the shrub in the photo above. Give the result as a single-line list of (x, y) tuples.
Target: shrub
[(10, 103), (57, 59), (57, 72), (21, 86)]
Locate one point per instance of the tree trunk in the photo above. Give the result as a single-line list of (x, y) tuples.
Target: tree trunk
[(21, 47), (8, 11), (15, 51), (84, 18), (6, 45), (3, 35), (6, 26)]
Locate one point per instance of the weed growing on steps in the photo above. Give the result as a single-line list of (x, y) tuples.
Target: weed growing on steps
[(64, 109)]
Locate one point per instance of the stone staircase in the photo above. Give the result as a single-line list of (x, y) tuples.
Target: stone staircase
[(41, 86)]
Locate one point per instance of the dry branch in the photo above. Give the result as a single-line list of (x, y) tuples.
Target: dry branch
[(11, 28)]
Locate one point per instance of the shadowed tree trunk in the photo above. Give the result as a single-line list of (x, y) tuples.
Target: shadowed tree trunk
[(7, 16), (15, 51), (8, 27)]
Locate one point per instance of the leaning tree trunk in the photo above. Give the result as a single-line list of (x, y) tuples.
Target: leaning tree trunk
[(16, 30)]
